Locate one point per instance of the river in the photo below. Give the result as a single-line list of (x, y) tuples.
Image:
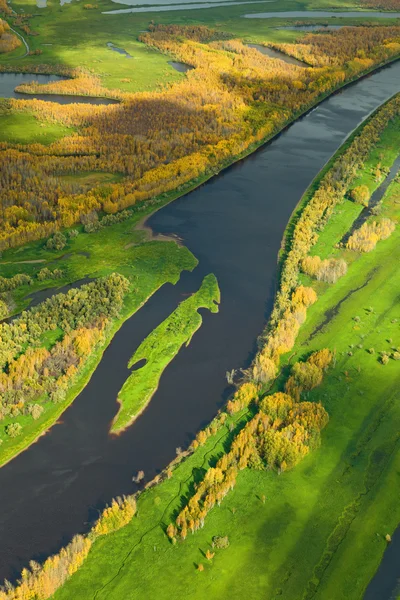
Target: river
[(234, 225)]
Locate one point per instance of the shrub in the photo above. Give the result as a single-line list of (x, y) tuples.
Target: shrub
[(220, 542), (328, 270), (57, 242), (361, 195), (368, 235), (13, 430)]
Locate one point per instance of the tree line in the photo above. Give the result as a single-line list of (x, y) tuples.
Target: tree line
[(281, 433), (32, 372), (234, 98)]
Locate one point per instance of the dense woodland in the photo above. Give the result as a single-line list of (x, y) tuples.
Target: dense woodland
[(44, 349), (234, 98), (353, 46)]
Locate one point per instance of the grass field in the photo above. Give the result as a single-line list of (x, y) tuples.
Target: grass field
[(159, 348), (321, 531), (25, 128)]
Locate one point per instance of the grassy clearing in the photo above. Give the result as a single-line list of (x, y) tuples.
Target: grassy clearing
[(320, 533), (25, 128), (159, 348)]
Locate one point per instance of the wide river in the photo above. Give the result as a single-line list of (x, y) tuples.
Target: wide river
[(234, 225)]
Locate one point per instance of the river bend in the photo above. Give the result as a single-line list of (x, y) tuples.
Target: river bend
[(234, 225)]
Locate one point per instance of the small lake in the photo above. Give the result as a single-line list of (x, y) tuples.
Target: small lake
[(316, 14), (119, 50), (279, 55), (180, 66), (9, 81)]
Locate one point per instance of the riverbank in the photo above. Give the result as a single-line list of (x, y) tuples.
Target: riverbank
[(335, 487)]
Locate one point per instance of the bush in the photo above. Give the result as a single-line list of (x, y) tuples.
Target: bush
[(57, 242), (13, 430), (220, 542), (361, 195), (369, 234), (328, 270)]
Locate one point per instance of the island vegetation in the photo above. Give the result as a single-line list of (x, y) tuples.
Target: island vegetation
[(159, 348)]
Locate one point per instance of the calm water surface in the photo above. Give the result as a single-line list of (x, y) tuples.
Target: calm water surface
[(234, 225), (9, 81), (316, 14)]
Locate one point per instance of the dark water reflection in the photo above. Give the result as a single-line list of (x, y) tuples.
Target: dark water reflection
[(234, 225), (9, 81), (180, 66)]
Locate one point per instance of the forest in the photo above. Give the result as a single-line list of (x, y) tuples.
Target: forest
[(44, 349), (277, 479), (233, 99)]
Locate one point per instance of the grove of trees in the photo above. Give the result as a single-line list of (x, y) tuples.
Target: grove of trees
[(31, 371)]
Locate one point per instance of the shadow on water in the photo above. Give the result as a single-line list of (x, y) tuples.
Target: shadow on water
[(234, 225)]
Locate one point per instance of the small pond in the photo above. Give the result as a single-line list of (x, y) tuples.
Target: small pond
[(279, 55), (169, 7), (315, 14), (119, 50), (180, 66)]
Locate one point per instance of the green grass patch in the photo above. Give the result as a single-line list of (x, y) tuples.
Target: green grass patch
[(25, 128), (159, 349)]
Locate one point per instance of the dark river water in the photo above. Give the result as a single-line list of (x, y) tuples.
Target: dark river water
[(9, 81), (234, 226)]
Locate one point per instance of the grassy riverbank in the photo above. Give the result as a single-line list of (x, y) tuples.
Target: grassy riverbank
[(316, 531), (159, 348)]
